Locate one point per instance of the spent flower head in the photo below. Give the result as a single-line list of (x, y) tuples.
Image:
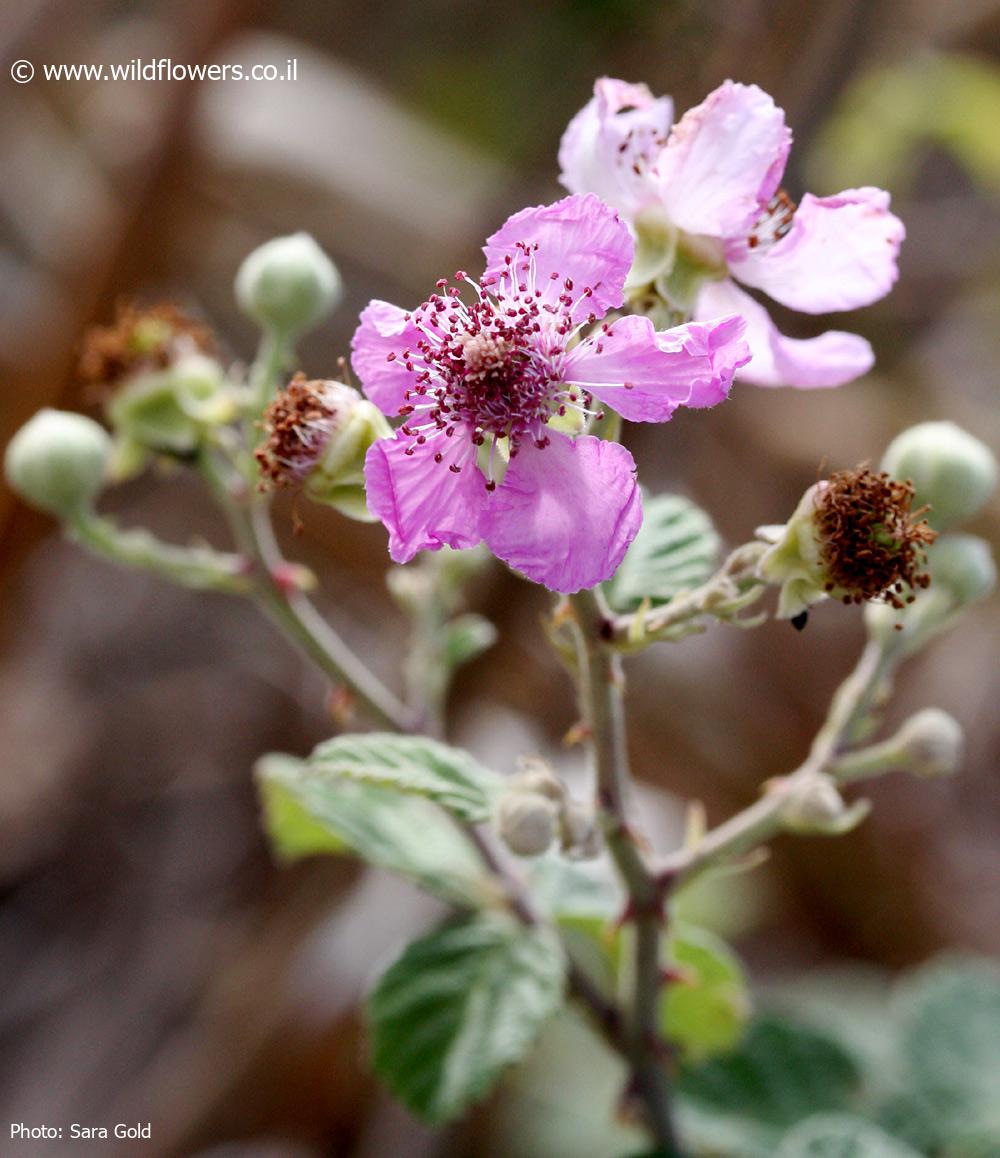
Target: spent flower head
[(705, 202), (140, 339), (316, 435), (485, 385), (854, 537)]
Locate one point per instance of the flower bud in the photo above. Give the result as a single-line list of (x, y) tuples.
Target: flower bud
[(317, 436), (169, 411), (853, 537), (287, 285), (953, 472), (814, 805), (931, 743), (57, 462), (527, 822), (536, 776), (580, 835)]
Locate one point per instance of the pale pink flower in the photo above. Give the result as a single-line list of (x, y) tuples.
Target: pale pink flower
[(712, 183)]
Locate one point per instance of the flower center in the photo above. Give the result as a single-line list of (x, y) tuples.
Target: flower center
[(773, 223), (491, 369)]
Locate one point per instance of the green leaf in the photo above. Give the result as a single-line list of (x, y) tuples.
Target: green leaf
[(676, 549), (841, 1136), (950, 1036), (414, 765), (460, 1006), (780, 1074), (308, 812), (704, 1014)]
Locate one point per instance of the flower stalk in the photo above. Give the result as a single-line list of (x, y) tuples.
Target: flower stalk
[(600, 687)]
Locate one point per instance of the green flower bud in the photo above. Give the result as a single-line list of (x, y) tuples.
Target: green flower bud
[(931, 743), (170, 410), (813, 805), (953, 472), (317, 436), (527, 822), (852, 537), (57, 462), (962, 572), (287, 285)]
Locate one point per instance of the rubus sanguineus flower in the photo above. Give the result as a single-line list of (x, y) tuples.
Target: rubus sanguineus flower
[(480, 382), (704, 198)]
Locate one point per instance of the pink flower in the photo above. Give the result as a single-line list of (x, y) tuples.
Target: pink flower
[(479, 383), (710, 187)]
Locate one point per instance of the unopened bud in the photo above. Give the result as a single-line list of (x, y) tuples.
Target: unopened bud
[(57, 462), (536, 776), (579, 831), (527, 822), (814, 805), (931, 743), (289, 284), (953, 472), (317, 436)]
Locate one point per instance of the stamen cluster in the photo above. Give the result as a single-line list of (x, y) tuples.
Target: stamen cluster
[(491, 368), (872, 542), (774, 222)]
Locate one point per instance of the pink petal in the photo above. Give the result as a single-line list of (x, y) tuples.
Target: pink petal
[(384, 330), (645, 376), (839, 254), (424, 504), (611, 144), (565, 515), (723, 160), (807, 363), (582, 243)]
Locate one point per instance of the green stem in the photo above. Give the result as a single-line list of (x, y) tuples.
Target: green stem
[(292, 610), (757, 824), (198, 567), (601, 700)]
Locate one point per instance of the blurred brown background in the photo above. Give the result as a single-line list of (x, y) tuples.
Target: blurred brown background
[(154, 964)]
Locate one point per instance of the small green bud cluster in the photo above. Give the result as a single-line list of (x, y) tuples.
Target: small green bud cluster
[(58, 462), (537, 809)]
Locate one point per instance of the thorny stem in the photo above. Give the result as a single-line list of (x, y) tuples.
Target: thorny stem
[(762, 820), (600, 679)]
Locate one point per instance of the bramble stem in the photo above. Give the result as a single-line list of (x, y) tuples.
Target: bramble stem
[(760, 822), (199, 567), (600, 689), (291, 609)]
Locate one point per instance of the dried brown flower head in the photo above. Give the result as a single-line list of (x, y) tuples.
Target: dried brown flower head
[(873, 544), (140, 339)]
